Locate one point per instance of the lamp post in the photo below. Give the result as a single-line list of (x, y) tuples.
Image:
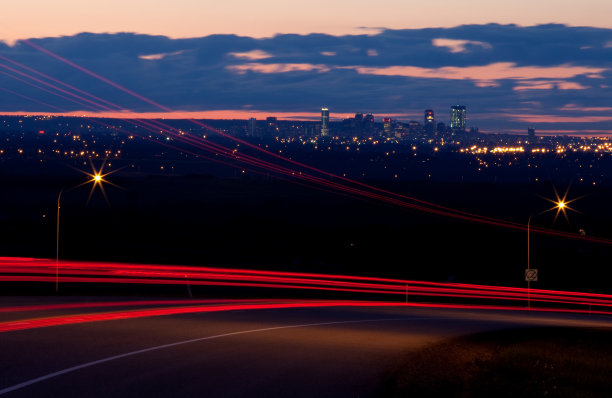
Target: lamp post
[(560, 206), (97, 178), (528, 262), (59, 197)]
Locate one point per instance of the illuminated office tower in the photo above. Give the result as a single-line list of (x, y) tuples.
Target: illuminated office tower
[(457, 119), (324, 122), (429, 123), (389, 126)]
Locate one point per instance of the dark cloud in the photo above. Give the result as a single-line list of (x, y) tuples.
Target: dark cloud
[(493, 69)]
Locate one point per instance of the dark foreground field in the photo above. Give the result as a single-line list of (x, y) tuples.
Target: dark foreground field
[(264, 223), (253, 221), (552, 362)]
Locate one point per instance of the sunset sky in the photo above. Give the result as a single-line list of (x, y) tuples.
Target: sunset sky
[(263, 18), (539, 62)]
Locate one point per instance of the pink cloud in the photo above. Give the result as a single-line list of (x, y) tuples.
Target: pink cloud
[(483, 76), (571, 86), (156, 57), (458, 46), (558, 119), (486, 83), (484, 73), (277, 68), (577, 108), (548, 85), (534, 86), (252, 55)]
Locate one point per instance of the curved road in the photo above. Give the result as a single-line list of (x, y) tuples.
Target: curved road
[(283, 352)]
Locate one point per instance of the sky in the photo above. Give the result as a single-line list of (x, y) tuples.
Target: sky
[(264, 18), (540, 63)]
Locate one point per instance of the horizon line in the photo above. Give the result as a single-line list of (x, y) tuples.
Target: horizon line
[(283, 116)]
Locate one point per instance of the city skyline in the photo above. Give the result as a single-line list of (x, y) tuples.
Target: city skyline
[(554, 77)]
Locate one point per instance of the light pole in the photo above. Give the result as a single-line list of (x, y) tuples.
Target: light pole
[(560, 206), (97, 178), (59, 197), (528, 262)]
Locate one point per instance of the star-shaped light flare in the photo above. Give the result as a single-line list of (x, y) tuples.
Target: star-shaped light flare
[(561, 204), (98, 178)]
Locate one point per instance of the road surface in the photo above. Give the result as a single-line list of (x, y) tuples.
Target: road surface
[(269, 352)]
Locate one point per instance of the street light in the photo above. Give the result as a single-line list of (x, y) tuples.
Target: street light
[(97, 178), (561, 205), (59, 197)]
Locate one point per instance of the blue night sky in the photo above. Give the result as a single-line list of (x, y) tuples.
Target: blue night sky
[(554, 77)]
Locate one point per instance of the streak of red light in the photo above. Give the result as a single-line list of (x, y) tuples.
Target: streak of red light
[(132, 314)]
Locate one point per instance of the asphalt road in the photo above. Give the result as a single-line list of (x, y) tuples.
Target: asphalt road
[(285, 352)]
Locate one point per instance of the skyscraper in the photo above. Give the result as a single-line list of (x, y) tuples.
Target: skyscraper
[(324, 122), (531, 133), (429, 123), (457, 119), (252, 127), (368, 123), (388, 126), (271, 125)]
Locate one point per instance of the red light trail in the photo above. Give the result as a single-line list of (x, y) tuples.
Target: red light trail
[(111, 304), (132, 314), (43, 270)]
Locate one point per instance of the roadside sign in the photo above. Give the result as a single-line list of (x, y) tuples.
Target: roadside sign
[(531, 275)]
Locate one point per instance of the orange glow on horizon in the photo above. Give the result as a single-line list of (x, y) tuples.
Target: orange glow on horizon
[(213, 114)]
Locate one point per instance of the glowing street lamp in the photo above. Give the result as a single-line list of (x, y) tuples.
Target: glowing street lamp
[(561, 206), (97, 179)]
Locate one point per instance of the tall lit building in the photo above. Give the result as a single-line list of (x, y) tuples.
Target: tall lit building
[(429, 123), (531, 133), (324, 122), (368, 123), (271, 126), (271, 122), (389, 126), (457, 119), (252, 127)]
